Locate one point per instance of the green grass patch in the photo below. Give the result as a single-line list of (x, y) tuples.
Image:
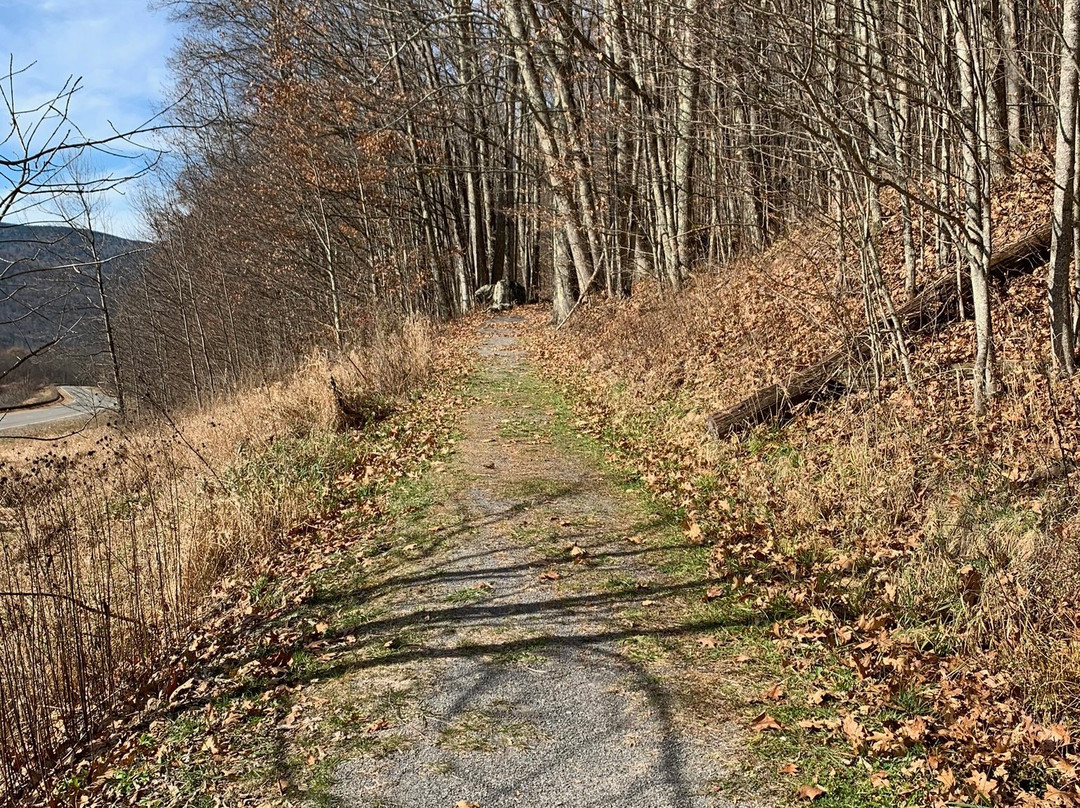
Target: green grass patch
[(488, 730), (686, 563), (641, 648), (471, 594)]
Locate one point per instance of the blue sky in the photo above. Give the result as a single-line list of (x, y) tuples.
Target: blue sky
[(118, 47)]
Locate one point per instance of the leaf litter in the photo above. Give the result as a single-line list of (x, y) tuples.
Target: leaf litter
[(864, 533)]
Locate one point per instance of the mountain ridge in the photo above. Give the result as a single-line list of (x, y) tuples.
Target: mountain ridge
[(49, 300)]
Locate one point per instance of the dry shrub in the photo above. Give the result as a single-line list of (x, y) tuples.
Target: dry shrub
[(109, 539)]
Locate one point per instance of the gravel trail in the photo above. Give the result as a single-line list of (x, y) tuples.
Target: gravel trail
[(529, 682)]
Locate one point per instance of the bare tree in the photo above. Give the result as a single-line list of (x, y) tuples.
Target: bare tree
[(1059, 286), (42, 172)]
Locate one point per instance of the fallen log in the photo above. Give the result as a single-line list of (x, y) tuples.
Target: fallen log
[(935, 306)]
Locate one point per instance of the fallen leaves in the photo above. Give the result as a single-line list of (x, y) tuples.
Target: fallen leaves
[(816, 697), (693, 533), (879, 779), (577, 552), (810, 792), (774, 693), (377, 726), (914, 729), (983, 785), (854, 731), (765, 723)]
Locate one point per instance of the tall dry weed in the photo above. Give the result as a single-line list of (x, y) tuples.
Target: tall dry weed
[(109, 539)]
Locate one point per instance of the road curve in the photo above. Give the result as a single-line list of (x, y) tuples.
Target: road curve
[(83, 403)]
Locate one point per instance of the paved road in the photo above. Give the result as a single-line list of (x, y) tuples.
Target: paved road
[(81, 403)]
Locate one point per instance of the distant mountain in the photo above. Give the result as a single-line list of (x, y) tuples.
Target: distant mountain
[(48, 293), (57, 244)]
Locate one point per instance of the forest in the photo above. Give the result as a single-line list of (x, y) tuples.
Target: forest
[(801, 274), (332, 164), (403, 156)]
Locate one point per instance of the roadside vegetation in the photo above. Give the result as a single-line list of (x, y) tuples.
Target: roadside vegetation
[(113, 538)]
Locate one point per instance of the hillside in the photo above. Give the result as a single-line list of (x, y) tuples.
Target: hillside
[(48, 274), (57, 244), (887, 533)]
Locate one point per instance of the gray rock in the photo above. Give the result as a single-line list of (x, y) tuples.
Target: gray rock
[(501, 295)]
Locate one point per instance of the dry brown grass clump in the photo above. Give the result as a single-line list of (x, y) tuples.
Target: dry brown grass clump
[(110, 538)]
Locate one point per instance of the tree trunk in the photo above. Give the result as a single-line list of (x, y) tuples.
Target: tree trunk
[(1059, 285), (685, 119), (973, 147), (1013, 88)]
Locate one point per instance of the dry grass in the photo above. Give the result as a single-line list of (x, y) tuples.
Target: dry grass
[(110, 538)]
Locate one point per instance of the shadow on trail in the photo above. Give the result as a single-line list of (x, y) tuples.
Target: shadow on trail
[(536, 643), (490, 663), (488, 683), (486, 573), (349, 646), (485, 671), (501, 518), (576, 607)]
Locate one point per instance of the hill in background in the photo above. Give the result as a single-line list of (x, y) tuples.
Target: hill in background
[(49, 297)]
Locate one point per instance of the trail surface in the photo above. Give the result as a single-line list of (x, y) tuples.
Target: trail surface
[(515, 650)]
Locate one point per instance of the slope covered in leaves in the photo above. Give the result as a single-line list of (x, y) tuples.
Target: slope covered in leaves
[(933, 557), (753, 322)]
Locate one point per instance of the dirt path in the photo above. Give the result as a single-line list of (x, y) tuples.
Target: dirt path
[(514, 659)]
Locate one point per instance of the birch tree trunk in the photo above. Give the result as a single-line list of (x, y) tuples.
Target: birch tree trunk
[(1059, 285), (685, 118), (976, 238), (1013, 87)]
